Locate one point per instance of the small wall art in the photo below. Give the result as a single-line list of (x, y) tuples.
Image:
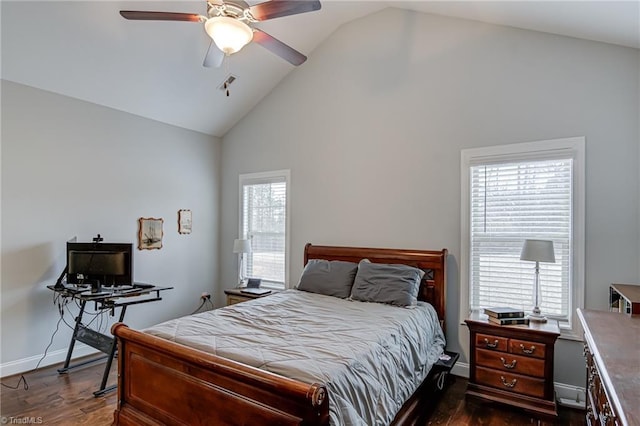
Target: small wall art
[(184, 221), (150, 233)]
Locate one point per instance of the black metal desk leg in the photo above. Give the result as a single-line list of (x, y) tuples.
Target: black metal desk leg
[(65, 368), (107, 368)]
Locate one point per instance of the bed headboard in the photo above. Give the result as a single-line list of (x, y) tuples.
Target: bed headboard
[(433, 285)]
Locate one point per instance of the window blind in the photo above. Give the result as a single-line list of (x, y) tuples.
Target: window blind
[(511, 202), (264, 210)]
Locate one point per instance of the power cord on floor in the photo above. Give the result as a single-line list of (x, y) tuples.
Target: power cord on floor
[(442, 377), (22, 376)]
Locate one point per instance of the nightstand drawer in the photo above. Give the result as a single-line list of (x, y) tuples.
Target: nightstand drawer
[(495, 343), (510, 363), (510, 382), (232, 300), (237, 295), (532, 349)]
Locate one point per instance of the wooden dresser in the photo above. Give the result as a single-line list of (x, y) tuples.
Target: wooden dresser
[(513, 364), (612, 352)]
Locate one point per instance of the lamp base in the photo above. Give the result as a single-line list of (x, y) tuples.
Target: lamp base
[(536, 316)]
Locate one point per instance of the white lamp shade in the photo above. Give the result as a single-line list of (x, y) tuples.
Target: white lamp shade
[(242, 246), (229, 34), (538, 251)]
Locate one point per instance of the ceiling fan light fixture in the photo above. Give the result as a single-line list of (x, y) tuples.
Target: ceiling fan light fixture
[(229, 34)]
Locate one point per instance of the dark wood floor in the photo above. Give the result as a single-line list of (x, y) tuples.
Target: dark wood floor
[(61, 399), (454, 409), (68, 400)]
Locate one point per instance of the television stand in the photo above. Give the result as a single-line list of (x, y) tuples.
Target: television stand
[(102, 342)]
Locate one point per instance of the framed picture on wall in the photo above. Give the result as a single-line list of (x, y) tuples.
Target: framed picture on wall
[(150, 233), (184, 221)]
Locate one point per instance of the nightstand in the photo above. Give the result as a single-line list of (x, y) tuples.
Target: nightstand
[(234, 295), (513, 364)]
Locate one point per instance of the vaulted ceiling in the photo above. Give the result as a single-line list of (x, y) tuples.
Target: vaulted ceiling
[(86, 50)]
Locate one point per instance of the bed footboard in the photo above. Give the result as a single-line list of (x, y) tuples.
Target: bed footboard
[(162, 382)]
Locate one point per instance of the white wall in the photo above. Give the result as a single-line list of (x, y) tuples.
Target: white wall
[(71, 168), (373, 124)]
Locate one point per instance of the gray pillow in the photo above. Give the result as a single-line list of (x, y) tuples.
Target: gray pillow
[(395, 284), (332, 278)]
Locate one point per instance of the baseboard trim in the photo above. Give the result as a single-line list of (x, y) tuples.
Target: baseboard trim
[(566, 395), (27, 364)]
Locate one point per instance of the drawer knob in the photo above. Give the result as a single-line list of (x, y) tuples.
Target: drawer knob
[(592, 375), (606, 413), (589, 414), (529, 351), (508, 384), (510, 365), (489, 344)]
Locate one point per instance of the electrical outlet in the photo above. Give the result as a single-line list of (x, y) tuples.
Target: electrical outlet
[(205, 296)]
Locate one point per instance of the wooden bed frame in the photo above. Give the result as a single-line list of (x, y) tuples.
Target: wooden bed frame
[(165, 383)]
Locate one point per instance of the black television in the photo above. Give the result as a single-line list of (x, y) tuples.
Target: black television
[(101, 264)]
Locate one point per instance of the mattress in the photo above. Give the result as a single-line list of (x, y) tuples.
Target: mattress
[(371, 356)]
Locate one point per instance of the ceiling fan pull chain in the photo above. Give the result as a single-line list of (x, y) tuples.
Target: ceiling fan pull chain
[(225, 64)]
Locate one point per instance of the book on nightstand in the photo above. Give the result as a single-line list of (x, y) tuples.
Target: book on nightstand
[(508, 321), (504, 312)]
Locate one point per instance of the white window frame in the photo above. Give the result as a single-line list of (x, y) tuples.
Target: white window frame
[(263, 177), (573, 147)]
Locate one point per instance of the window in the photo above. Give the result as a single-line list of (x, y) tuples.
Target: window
[(516, 192), (264, 220)]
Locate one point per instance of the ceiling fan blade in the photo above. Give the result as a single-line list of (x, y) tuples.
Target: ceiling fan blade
[(287, 53), (277, 8), (159, 16), (214, 56)]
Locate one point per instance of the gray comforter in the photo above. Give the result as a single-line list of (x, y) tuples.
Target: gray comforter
[(370, 356)]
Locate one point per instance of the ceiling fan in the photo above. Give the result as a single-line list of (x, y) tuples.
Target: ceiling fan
[(228, 25)]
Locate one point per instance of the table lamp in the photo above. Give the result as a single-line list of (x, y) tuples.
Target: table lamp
[(537, 251), (241, 247)]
